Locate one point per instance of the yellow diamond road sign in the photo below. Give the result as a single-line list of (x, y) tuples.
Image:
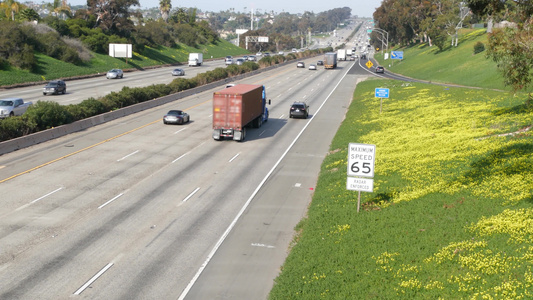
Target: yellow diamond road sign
[(369, 64)]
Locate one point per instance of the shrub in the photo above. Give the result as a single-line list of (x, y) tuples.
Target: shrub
[(181, 84), (479, 47), (14, 127), (48, 114), (87, 108)]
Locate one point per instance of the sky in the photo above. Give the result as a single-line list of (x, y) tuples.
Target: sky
[(361, 8)]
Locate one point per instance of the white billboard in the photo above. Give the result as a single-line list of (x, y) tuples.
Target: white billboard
[(120, 50)]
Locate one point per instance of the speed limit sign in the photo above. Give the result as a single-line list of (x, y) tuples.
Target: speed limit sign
[(361, 160)]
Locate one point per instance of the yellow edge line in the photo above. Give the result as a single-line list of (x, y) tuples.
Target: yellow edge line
[(89, 147)]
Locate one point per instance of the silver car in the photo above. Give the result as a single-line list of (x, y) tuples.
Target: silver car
[(178, 72), (176, 117), (115, 73)]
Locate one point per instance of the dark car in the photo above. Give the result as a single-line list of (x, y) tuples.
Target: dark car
[(176, 117), (299, 110), (380, 69), (320, 63), (178, 72), (55, 87), (363, 56)]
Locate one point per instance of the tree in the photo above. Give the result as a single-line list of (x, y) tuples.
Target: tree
[(113, 16), (29, 14), (10, 7), (512, 47), (164, 7)]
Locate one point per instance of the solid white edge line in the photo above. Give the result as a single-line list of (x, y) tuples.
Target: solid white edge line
[(191, 194), (128, 155), (93, 279), (234, 222), (115, 198), (234, 157)]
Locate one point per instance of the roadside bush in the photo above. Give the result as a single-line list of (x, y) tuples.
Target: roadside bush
[(23, 58), (250, 66), (479, 47), (181, 84), (48, 114), (15, 127), (86, 109), (234, 70)]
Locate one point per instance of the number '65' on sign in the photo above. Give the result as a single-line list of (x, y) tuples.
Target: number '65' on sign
[(361, 159)]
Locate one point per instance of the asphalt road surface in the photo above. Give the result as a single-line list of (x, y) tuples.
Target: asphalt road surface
[(135, 209)]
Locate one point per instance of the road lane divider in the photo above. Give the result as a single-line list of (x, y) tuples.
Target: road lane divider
[(111, 200), (93, 279), (128, 155)]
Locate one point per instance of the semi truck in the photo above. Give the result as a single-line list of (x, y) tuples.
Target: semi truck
[(330, 60), (196, 59), (236, 108)]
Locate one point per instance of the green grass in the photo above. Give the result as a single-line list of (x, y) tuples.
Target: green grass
[(451, 214), (453, 65), (49, 68)]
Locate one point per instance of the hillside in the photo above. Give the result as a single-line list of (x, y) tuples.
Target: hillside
[(50, 68), (454, 65), (450, 215)]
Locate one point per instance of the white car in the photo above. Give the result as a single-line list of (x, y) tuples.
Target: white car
[(229, 61), (115, 73), (252, 58), (312, 67), (300, 64)]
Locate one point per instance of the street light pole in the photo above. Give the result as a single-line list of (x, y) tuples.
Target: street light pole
[(382, 32)]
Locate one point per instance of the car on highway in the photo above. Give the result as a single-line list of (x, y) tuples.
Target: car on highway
[(352, 57), (55, 87), (114, 73), (176, 117), (229, 61), (312, 67), (299, 109), (178, 72), (252, 58), (380, 69), (239, 61), (259, 54), (320, 63), (300, 64), (266, 54)]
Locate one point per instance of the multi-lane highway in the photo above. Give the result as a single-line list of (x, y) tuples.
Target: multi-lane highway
[(79, 90), (134, 209)]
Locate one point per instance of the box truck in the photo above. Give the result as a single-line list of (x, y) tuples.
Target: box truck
[(196, 59), (341, 54), (330, 60), (237, 107)]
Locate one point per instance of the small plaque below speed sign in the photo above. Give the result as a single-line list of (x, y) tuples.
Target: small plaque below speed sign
[(361, 159)]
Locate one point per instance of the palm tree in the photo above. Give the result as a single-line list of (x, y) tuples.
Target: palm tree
[(11, 7), (164, 8)]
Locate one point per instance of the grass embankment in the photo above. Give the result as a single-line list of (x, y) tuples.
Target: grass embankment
[(453, 65), (50, 68), (451, 214)]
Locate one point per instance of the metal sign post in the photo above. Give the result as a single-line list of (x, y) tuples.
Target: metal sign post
[(381, 93)]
